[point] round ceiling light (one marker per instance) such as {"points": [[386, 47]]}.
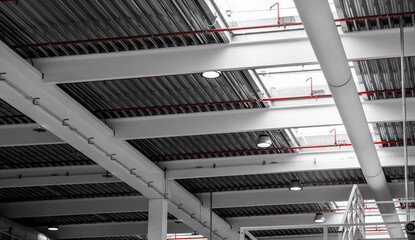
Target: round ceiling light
{"points": [[295, 185], [211, 74], [319, 218], [264, 141], [53, 227]]}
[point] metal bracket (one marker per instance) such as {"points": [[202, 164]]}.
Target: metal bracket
{"points": [[35, 101], [193, 215], [150, 184], [180, 206], [1, 74], [132, 171], [204, 224], [112, 157], [64, 122], [90, 140]]}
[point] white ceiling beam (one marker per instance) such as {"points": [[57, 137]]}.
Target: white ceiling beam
{"points": [[74, 207], [252, 120], [109, 230], [220, 122], [220, 200], [49, 106], [228, 56], [278, 163]]}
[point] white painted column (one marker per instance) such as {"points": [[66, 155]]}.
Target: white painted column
{"points": [[157, 219]]}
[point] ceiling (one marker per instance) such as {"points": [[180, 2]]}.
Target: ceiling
{"points": [[42, 29]]}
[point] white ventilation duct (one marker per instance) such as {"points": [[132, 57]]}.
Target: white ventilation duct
{"points": [[319, 25]]}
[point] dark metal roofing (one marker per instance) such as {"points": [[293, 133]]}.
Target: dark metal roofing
{"points": [[10, 115], [281, 180], [86, 219], [393, 131], [385, 74], [66, 192], [33, 156], [208, 146], [42, 21], [275, 209], [145, 96], [135, 237], [290, 232], [361, 8]]}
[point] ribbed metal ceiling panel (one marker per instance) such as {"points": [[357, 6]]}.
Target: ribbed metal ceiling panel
{"points": [[66, 192], [136, 237], [361, 8], [209, 146], [42, 21], [276, 209], [292, 232], [164, 95], [281, 180], [86, 219], [10, 115], [34, 156], [392, 131], [385, 74]]}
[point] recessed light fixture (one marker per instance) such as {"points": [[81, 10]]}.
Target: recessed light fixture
{"points": [[53, 226], [319, 218], [211, 74], [264, 141], [295, 185]]}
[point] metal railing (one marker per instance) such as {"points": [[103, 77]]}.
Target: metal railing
{"points": [[354, 217]]}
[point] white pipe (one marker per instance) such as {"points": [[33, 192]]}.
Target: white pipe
{"points": [[319, 25]]}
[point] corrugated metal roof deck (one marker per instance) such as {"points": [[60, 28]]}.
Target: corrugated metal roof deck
{"points": [[209, 146], [33, 156], [281, 180], [292, 232], [275, 209], [86, 219], [135, 237], [385, 74], [360, 8], [43, 21], [10, 115], [392, 131], [149, 96], [66, 192]]}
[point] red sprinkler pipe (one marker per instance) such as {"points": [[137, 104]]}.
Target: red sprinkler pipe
{"points": [[311, 81], [239, 101], [278, 10], [201, 31], [271, 149], [335, 136]]}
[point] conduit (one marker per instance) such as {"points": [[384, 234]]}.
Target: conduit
{"points": [[201, 31], [325, 40]]}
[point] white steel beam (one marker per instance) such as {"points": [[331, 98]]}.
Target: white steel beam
{"points": [[222, 122], [109, 230], [278, 163], [49, 106], [49, 176], [228, 56], [252, 120], [220, 200]]}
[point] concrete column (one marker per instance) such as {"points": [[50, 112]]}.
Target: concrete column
{"points": [[157, 219]]}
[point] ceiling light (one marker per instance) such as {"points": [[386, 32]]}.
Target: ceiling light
{"points": [[53, 226], [211, 74], [319, 218], [264, 141], [295, 185]]}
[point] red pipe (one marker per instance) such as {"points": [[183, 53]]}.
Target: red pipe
{"points": [[202, 31], [335, 135], [278, 10], [271, 149], [311, 81], [242, 101]]}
